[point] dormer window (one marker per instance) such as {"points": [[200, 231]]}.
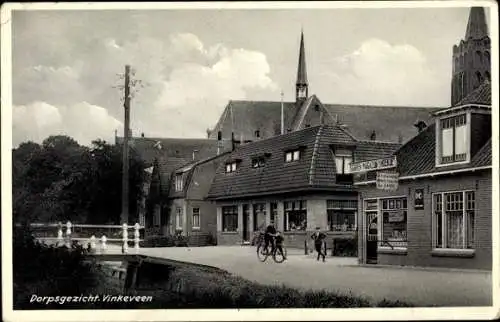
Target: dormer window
{"points": [[343, 160], [453, 136], [258, 162], [293, 155], [179, 183], [231, 167]]}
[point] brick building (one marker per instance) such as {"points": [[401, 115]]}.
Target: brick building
{"points": [[439, 212], [298, 181]]}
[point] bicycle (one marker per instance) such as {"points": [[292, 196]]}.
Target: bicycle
{"points": [[263, 252]]}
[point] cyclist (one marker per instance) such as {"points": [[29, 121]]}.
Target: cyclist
{"points": [[269, 236]]}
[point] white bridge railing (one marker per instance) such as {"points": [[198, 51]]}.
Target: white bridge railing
{"points": [[64, 235]]}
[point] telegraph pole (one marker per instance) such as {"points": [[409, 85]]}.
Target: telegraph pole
{"points": [[126, 133]]}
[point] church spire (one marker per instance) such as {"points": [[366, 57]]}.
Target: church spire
{"points": [[476, 27], [301, 84]]}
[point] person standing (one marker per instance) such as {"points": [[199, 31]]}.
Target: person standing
{"points": [[319, 239]]}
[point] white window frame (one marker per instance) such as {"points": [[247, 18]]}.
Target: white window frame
{"points": [[444, 230], [198, 214], [380, 221], [178, 218], [231, 167], [179, 182], [291, 156], [439, 143], [343, 155], [302, 207]]}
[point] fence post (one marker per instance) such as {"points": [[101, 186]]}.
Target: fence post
{"points": [[103, 244], [125, 238], [68, 234], [60, 237], [92, 243], [136, 237], [305, 246]]}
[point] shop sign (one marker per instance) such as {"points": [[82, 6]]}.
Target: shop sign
{"points": [[419, 198], [373, 165], [387, 180]]}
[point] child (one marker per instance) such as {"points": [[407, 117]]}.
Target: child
{"points": [[279, 244], [319, 238]]}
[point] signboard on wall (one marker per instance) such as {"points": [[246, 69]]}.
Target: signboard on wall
{"points": [[387, 180], [419, 198], [396, 216], [372, 165]]}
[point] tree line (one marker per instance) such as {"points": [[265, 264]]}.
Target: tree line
{"points": [[60, 180]]}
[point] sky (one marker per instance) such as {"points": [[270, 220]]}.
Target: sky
{"points": [[67, 64]]}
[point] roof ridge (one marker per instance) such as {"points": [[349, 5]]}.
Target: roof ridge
{"points": [[382, 106], [312, 168]]}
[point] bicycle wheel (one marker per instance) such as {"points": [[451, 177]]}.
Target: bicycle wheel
{"points": [[278, 256], [262, 252]]}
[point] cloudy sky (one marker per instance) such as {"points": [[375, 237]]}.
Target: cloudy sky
{"points": [[192, 62]]}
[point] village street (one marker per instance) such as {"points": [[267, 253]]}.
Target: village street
{"points": [[419, 286]]}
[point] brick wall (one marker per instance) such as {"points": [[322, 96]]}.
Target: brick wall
{"points": [[419, 222]]}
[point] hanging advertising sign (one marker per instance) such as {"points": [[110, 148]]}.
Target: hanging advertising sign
{"points": [[373, 165], [419, 198], [387, 180]]}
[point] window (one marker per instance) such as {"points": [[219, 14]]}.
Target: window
{"points": [[274, 212], [178, 182], [343, 159], [196, 217], [295, 215], [292, 156], [394, 222], [341, 215], [258, 162], [178, 218], [231, 167], [230, 218], [454, 139], [259, 216], [453, 220]]}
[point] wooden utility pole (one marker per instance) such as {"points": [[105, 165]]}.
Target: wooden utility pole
{"points": [[126, 133]]}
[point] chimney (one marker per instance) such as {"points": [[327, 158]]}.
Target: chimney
{"points": [[420, 125], [232, 141], [194, 154], [257, 134], [321, 117], [219, 142], [142, 134], [373, 136]]}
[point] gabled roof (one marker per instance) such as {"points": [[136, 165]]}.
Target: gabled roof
{"points": [[390, 123], [372, 150], [187, 171], [315, 170]]}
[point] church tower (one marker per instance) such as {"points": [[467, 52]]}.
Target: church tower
{"points": [[471, 58], [301, 86]]}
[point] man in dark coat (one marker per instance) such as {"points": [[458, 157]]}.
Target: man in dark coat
{"points": [[319, 239]]}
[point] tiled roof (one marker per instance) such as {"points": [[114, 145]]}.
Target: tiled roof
{"points": [[481, 95], [418, 156], [390, 123], [371, 150], [314, 169]]}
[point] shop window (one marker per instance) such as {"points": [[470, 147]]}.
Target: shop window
{"points": [[454, 143], [453, 220], [178, 217], [295, 216], [341, 215], [196, 217], [394, 222], [230, 218], [259, 216]]}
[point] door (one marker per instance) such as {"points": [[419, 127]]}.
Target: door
{"points": [[246, 226], [371, 238]]}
